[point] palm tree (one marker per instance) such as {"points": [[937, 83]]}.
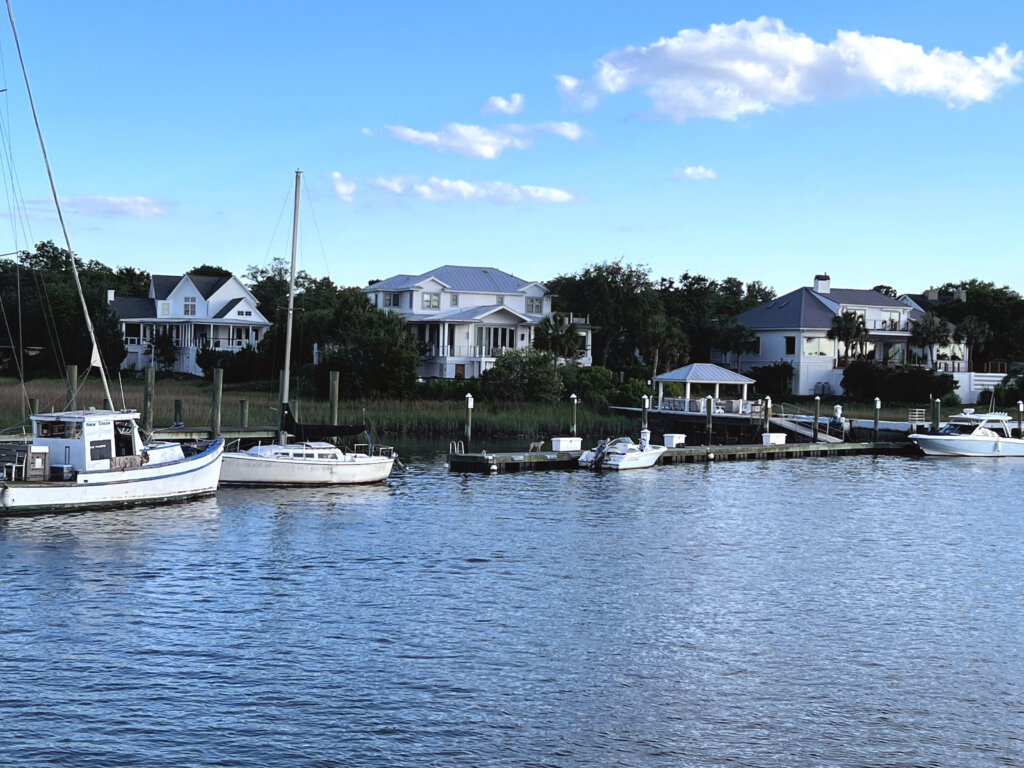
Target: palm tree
{"points": [[732, 336], [555, 334], [973, 332], [929, 332], [848, 329]]}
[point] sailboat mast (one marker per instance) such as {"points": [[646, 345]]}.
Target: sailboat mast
{"points": [[291, 304], [60, 214]]}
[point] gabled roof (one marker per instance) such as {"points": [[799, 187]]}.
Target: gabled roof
{"points": [[207, 285], [861, 297], [478, 279], [704, 373], [132, 308], [802, 308], [227, 308]]}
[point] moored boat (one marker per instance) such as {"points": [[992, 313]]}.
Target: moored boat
{"points": [[307, 463], [973, 434], [94, 458], [622, 453]]}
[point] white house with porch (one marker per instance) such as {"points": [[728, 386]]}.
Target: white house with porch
{"points": [[794, 328], [467, 317], [196, 310]]}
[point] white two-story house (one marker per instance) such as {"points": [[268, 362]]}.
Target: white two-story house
{"points": [[466, 317], [197, 310], [794, 328]]}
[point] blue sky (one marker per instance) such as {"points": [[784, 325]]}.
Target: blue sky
{"points": [[878, 142]]}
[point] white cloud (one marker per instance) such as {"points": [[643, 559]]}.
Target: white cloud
{"points": [[477, 141], [513, 105], [109, 205], [574, 93], [436, 189], [696, 172], [753, 66], [469, 140], [343, 188]]}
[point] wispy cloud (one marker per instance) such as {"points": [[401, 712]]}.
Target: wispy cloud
{"points": [[343, 188], [696, 172], [477, 141], [753, 66], [136, 207], [513, 105], [436, 189]]}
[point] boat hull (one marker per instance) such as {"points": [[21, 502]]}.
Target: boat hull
{"points": [[240, 468], [633, 459], [969, 445], [186, 478]]}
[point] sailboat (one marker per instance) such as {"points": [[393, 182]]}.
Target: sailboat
{"points": [[309, 462], [96, 458]]}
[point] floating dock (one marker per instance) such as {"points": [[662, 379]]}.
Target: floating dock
{"points": [[502, 462]]}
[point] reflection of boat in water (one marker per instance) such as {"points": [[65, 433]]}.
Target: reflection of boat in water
{"points": [[973, 434], [623, 453]]}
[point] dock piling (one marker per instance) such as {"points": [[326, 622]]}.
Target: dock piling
{"points": [[71, 382], [218, 389], [149, 384]]}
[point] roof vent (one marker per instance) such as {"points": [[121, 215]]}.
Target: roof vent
{"points": [[822, 284]]}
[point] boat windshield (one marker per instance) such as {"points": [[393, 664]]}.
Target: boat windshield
{"points": [[957, 428]]}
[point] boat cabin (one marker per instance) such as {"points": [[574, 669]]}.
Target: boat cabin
{"points": [[88, 441], [980, 424], [307, 451]]}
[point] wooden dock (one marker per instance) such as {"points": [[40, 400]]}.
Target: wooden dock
{"points": [[502, 462]]}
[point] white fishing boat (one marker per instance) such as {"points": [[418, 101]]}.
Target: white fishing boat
{"points": [[303, 463], [96, 458], [622, 453], [90, 458], [973, 434]]}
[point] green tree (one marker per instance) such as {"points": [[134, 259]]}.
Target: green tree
{"points": [[929, 332], [555, 334], [848, 328], [999, 306], [734, 337], [885, 290], [165, 350], [522, 375], [209, 270], [974, 332]]}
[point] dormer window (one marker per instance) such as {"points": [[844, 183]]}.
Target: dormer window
{"points": [[534, 305], [499, 300], [454, 300], [190, 306], [392, 299], [431, 301]]}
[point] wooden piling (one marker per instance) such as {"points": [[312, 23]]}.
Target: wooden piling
{"points": [[33, 405], [335, 380], [218, 390], [243, 413], [71, 382], [179, 407], [148, 386]]}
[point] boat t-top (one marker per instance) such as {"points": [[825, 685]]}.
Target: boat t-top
{"points": [[973, 434]]}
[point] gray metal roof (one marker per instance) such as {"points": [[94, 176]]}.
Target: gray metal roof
{"points": [[704, 373], [478, 279], [802, 308], [468, 315]]}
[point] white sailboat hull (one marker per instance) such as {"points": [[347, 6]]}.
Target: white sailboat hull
{"points": [[185, 478], [241, 468], [969, 445]]}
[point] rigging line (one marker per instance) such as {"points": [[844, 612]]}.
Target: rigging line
{"points": [[316, 226], [56, 202]]}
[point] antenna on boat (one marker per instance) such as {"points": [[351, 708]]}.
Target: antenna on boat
{"points": [[95, 359], [291, 310]]}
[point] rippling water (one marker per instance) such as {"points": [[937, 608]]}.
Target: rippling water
{"points": [[848, 612]]}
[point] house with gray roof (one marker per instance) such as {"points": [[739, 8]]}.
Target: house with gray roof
{"points": [[794, 328], [466, 317], [198, 311]]}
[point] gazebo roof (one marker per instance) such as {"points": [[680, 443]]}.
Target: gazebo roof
{"points": [[704, 373]]}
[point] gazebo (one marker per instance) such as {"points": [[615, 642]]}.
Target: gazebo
{"points": [[700, 373]]}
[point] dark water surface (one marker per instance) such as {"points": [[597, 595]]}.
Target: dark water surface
{"points": [[841, 612]]}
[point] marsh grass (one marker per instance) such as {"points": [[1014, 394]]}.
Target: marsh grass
{"points": [[384, 417]]}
